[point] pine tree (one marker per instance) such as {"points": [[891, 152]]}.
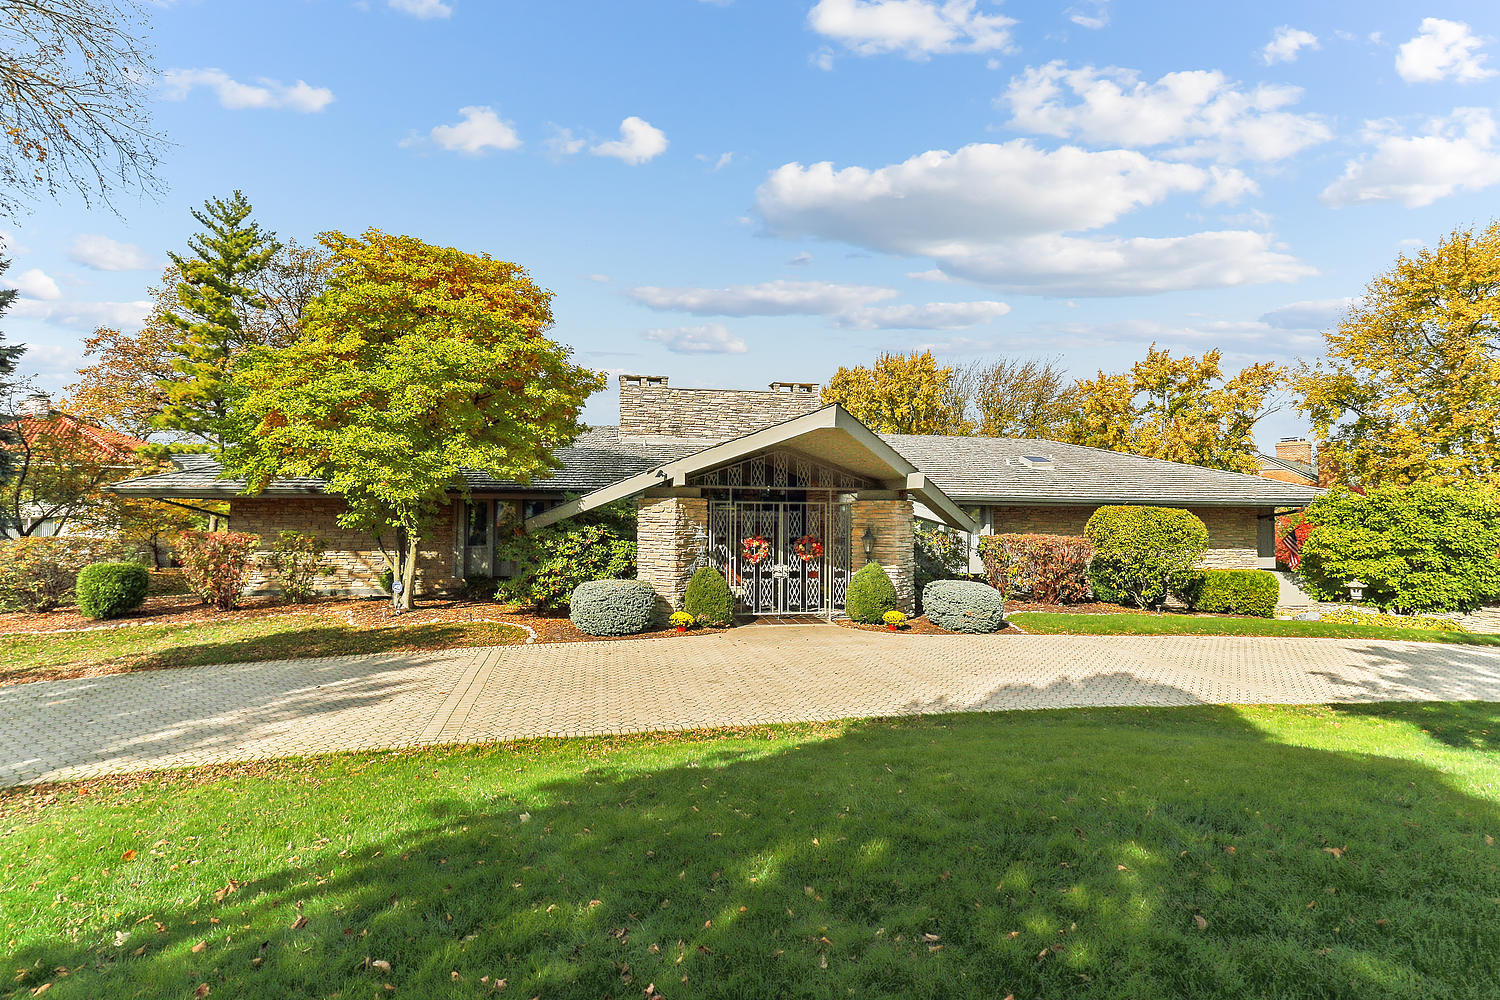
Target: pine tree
{"points": [[8, 358], [214, 299]]}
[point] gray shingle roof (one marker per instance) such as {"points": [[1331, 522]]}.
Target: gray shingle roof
{"points": [[995, 470], [596, 459], [968, 469]]}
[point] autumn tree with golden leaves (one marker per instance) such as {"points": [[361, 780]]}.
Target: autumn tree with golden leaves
{"points": [[1178, 409], [1409, 389]]}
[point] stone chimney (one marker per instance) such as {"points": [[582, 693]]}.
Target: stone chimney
{"points": [[37, 404], [1295, 449], [795, 388], [650, 408]]}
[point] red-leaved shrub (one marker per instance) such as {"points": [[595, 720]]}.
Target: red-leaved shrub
{"points": [[1291, 534], [1051, 569], [216, 564]]}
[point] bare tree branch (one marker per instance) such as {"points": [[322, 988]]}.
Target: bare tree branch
{"points": [[74, 78]]}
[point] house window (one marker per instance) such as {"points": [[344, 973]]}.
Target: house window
{"points": [[478, 533]]}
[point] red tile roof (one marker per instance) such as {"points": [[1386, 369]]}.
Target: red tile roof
{"points": [[111, 444]]}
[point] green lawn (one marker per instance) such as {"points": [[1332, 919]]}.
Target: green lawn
{"points": [[280, 637], [1197, 853], [1047, 623]]}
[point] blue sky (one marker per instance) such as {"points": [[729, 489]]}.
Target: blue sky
{"points": [[732, 192]]}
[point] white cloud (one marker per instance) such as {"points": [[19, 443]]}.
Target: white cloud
{"points": [[600, 279], [1196, 113], [34, 284], [770, 298], [1003, 215], [1313, 314], [104, 254], [1286, 44], [916, 29], [927, 316], [1455, 153], [426, 10], [1091, 14], [851, 307], [264, 93], [480, 128], [821, 59], [639, 141], [801, 260], [563, 142], [1066, 265], [711, 338], [977, 192], [931, 274], [85, 316], [1442, 50]]}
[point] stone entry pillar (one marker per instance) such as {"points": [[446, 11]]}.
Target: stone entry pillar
{"points": [[891, 521], [671, 534]]}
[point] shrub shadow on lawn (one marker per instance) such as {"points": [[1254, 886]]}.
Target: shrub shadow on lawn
{"points": [[1056, 854]]}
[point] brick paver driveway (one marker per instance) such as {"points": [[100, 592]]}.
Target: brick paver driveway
{"points": [[174, 718]]}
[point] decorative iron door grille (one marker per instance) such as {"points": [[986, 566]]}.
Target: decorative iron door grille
{"points": [[772, 576]]}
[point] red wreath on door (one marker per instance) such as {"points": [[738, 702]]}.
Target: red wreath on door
{"points": [[756, 549], [808, 548]]}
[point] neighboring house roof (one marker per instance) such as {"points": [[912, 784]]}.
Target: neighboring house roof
{"points": [[111, 445], [1004, 471], [1299, 468], [966, 469]]}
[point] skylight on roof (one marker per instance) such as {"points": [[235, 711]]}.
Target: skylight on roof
{"points": [[1039, 461]]}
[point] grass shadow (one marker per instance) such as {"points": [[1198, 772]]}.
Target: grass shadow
{"points": [[1088, 853]]}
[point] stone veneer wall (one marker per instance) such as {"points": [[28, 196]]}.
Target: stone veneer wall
{"points": [[891, 520], [1232, 537], [356, 560], [713, 414], [670, 531]]}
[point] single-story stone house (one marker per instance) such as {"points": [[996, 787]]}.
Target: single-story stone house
{"points": [[786, 496]]}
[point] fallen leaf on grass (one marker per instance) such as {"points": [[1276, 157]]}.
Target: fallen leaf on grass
{"points": [[299, 923], [1201, 921], [1337, 852], [199, 946], [201, 991]]}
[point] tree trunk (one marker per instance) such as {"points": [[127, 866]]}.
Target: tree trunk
{"points": [[409, 543]]}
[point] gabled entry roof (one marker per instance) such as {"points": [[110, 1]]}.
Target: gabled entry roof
{"points": [[831, 435]]}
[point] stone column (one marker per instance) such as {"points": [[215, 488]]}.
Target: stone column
{"points": [[671, 531], [891, 521]]}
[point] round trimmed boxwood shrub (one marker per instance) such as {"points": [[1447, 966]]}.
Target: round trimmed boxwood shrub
{"points": [[871, 594], [1140, 553], [708, 598], [1232, 592], [964, 606], [613, 607], [109, 590]]}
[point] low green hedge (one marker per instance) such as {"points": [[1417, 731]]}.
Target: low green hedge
{"points": [[613, 607], [708, 598], [1231, 592], [963, 606], [109, 590], [871, 594]]}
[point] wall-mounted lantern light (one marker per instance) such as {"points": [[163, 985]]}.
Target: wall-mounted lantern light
{"points": [[869, 539], [1356, 590]]}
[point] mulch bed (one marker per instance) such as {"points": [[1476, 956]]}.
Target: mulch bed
{"points": [[1092, 608], [916, 626], [368, 613]]}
